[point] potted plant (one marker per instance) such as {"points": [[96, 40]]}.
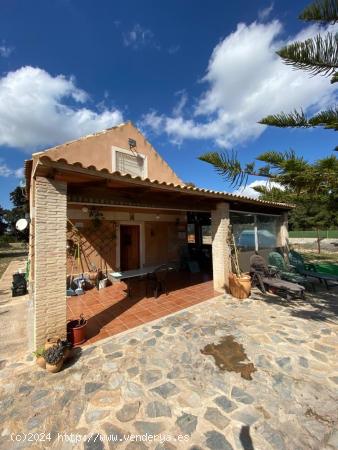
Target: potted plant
{"points": [[67, 349], [76, 331], [54, 358], [51, 342], [39, 355], [239, 282]]}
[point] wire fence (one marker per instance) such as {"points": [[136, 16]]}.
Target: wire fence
{"points": [[325, 234]]}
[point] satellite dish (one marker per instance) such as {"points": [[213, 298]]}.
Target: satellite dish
{"points": [[21, 224]]}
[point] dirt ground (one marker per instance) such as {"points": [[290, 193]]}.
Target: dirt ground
{"points": [[12, 252]]}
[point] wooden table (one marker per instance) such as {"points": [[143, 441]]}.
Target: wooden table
{"points": [[132, 274]]}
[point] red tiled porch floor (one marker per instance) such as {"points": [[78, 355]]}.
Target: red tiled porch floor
{"points": [[110, 312]]}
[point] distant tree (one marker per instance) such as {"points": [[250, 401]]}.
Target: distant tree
{"points": [[20, 207], [312, 212], [3, 224]]}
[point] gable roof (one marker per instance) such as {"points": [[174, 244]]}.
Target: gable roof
{"points": [[96, 149]]}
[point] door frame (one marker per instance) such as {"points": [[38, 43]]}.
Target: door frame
{"points": [[141, 242]]}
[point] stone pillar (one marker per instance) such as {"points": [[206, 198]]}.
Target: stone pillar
{"points": [[220, 248], [50, 260]]}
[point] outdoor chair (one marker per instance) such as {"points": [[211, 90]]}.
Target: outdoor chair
{"points": [[157, 280], [268, 278], [310, 270], [286, 271]]}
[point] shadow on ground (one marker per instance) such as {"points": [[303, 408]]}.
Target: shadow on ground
{"points": [[321, 305]]}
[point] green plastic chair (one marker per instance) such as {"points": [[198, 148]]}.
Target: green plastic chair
{"points": [[310, 270], [287, 272]]}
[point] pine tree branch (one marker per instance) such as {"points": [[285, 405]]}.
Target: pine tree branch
{"points": [[321, 10], [228, 166], [334, 78], [326, 119], [285, 120], [318, 55]]}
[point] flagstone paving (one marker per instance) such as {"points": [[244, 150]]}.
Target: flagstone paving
{"points": [[155, 380]]}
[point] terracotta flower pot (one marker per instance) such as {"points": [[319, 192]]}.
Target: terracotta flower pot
{"points": [[40, 361], [240, 287], [76, 333], [54, 368], [50, 342]]}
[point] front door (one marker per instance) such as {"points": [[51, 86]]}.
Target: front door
{"points": [[130, 247]]}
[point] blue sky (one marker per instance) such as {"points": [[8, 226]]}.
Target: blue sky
{"points": [[194, 76]]}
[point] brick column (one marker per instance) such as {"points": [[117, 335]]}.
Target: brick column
{"points": [[50, 259], [282, 232], [220, 247]]}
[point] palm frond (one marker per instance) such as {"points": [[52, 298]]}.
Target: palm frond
{"points": [[318, 55], [284, 120], [321, 10]]}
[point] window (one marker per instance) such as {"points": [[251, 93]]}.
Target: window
{"points": [[254, 231], [128, 162], [206, 235], [266, 231], [191, 233], [243, 229]]}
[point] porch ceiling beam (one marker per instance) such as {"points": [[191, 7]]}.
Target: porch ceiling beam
{"points": [[104, 174]]}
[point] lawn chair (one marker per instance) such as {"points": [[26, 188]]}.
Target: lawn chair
{"points": [[157, 280], [268, 278], [288, 272], [309, 270]]}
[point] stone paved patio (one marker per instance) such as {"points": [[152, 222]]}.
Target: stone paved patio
{"points": [[154, 379]]}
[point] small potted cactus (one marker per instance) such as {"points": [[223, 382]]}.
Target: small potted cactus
{"points": [[39, 355], [54, 358]]}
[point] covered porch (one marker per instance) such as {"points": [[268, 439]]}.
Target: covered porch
{"points": [[68, 197], [110, 311]]}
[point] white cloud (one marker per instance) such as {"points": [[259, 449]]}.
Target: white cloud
{"points": [[5, 50], [37, 109], [139, 37], [5, 171], [246, 81], [183, 99], [248, 190], [173, 49], [264, 13]]}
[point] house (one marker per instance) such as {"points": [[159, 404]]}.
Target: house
{"points": [[110, 201]]}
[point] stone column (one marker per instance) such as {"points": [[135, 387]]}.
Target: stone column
{"points": [[220, 248], [50, 260]]}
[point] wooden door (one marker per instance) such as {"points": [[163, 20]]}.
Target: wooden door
{"points": [[130, 247]]}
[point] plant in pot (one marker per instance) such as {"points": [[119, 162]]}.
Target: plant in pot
{"points": [[67, 348], [239, 282], [54, 358], [51, 342], [39, 355], [76, 331]]}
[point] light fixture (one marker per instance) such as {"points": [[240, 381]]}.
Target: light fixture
{"points": [[85, 209]]}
